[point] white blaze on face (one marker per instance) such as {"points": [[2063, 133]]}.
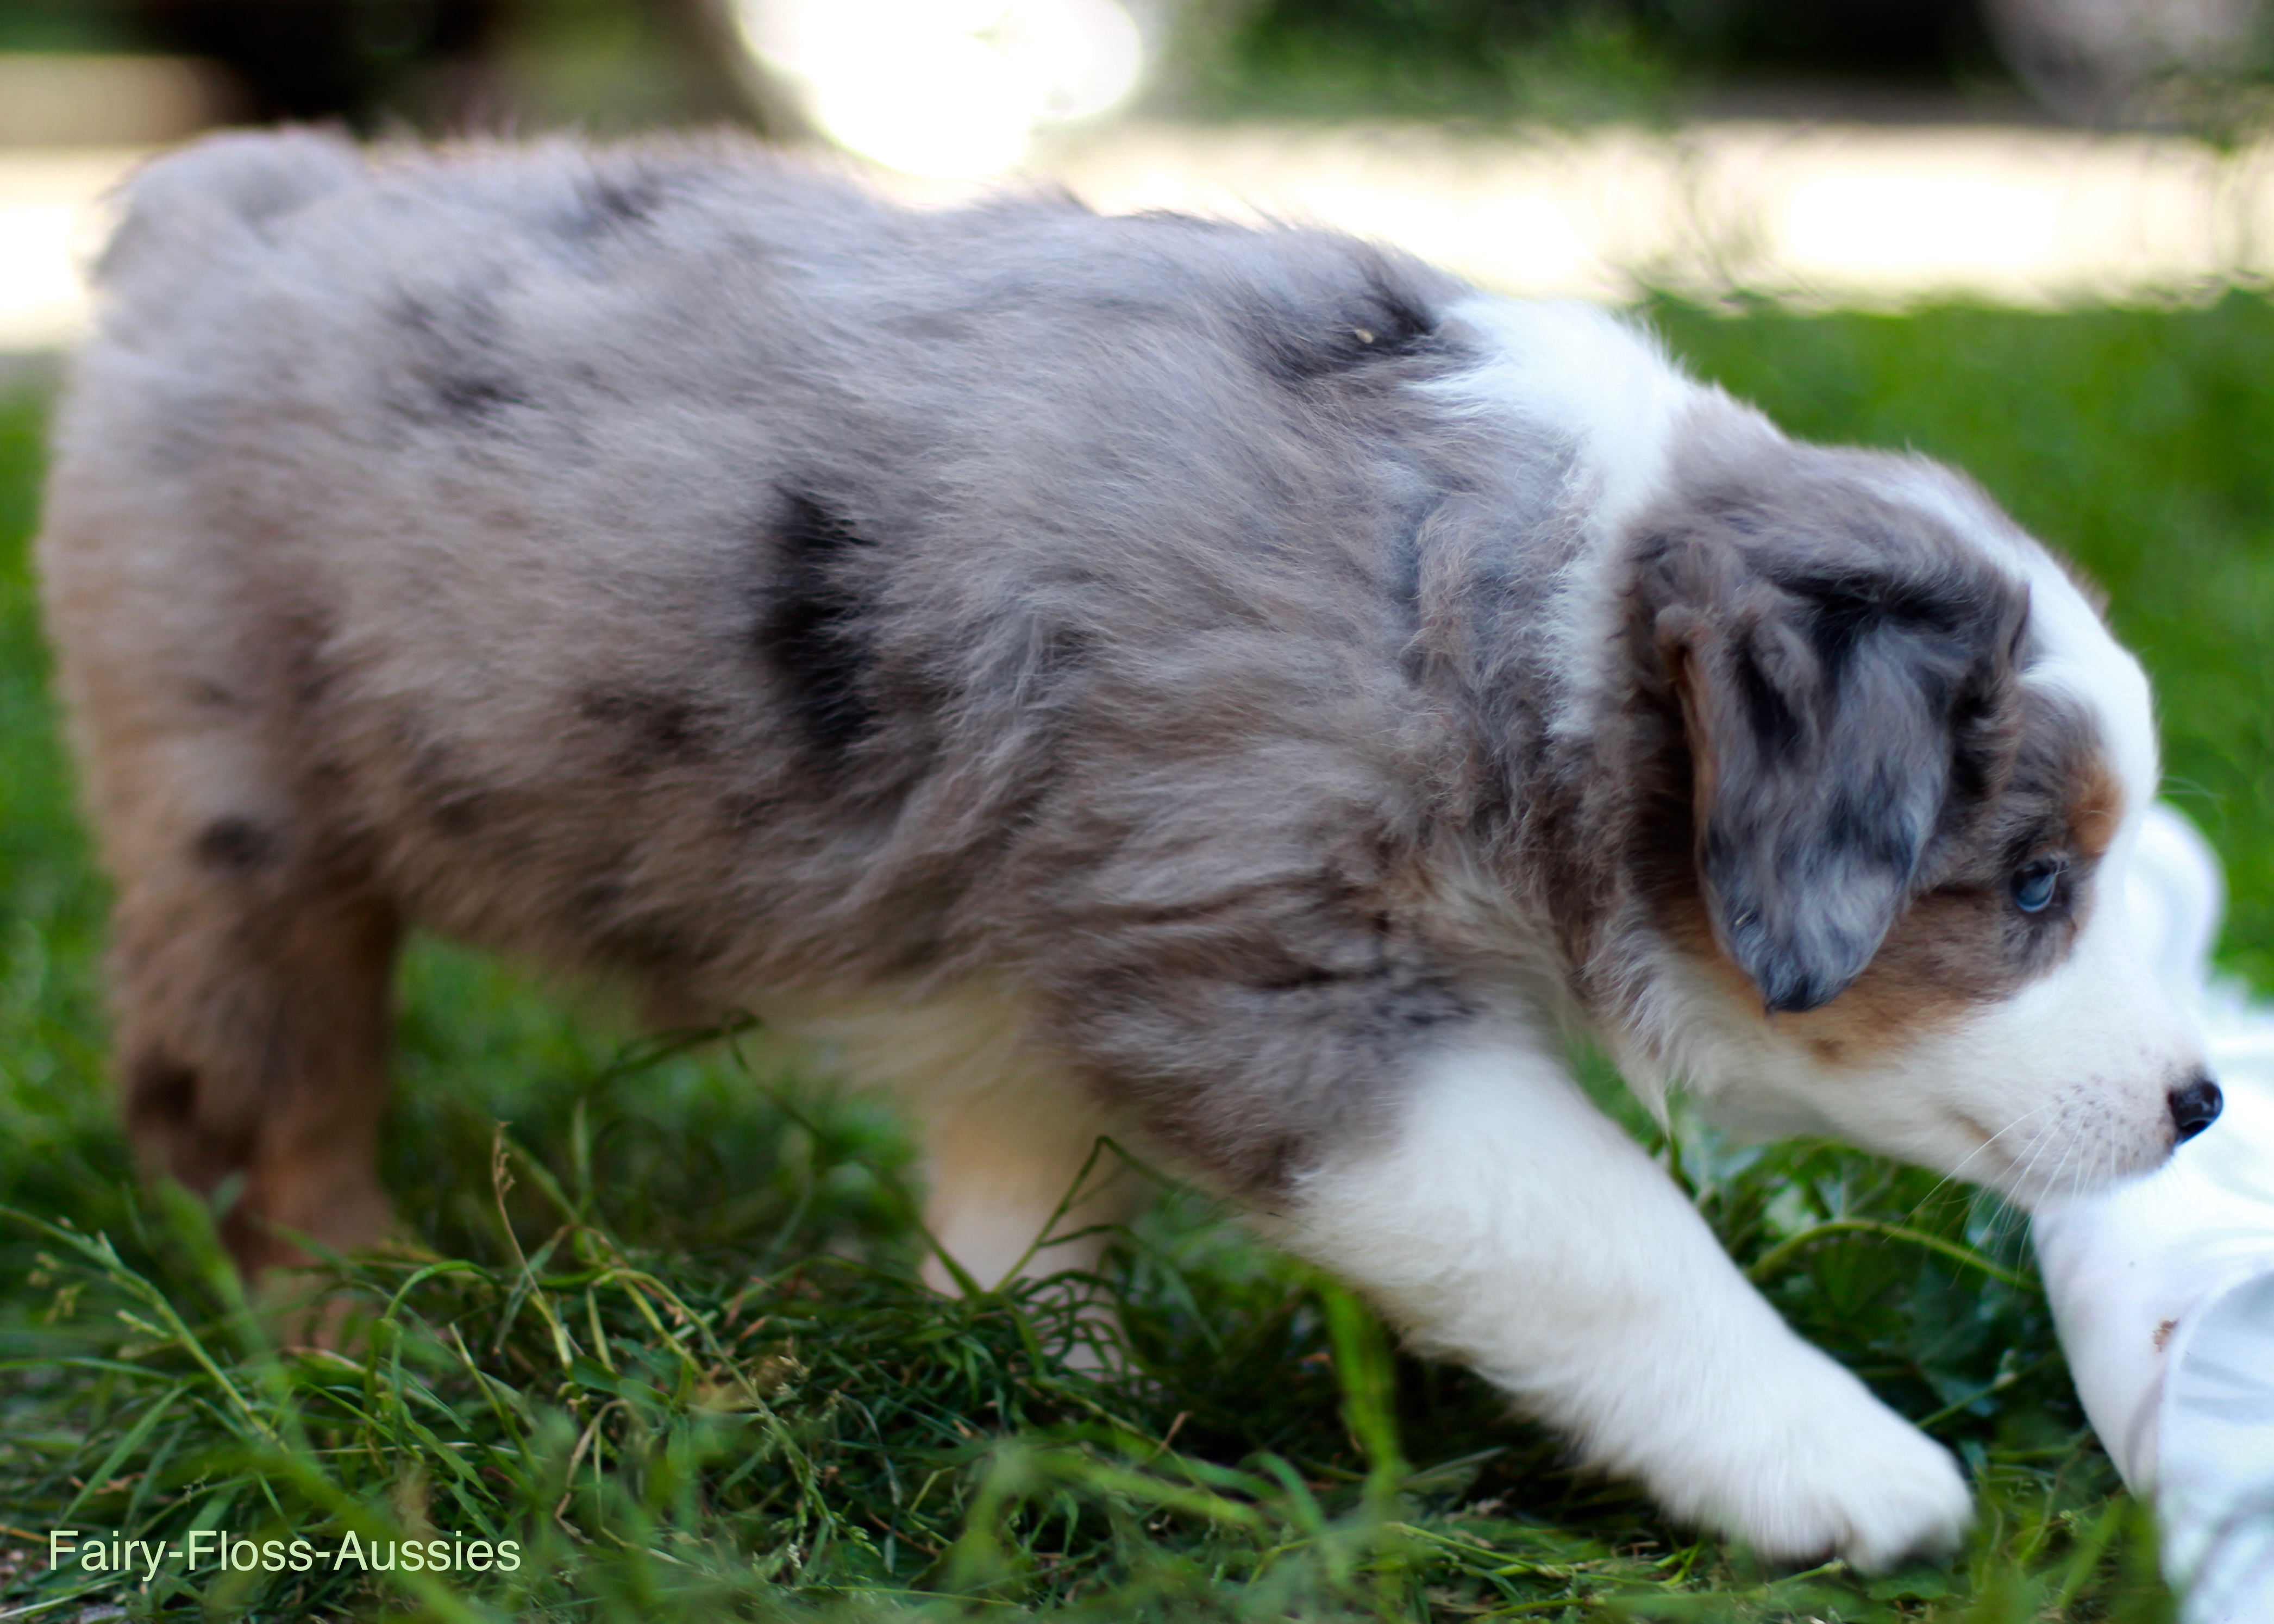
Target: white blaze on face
{"points": [[2078, 1067], [2065, 1084], [2062, 1083]]}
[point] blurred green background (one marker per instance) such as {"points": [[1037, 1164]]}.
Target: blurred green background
{"points": [[436, 63]]}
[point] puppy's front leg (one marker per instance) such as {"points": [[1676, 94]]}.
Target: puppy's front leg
{"points": [[1502, 1220]]}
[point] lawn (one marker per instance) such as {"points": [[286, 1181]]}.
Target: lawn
{"points": [[660, 1329]]}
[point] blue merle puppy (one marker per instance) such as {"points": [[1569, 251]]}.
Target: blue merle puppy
{"points": [[1238, 689]]}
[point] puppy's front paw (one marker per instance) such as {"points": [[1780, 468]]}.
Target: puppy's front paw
{"points": [[1853, 1480]]}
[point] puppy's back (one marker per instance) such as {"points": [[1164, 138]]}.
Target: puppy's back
{"points": [[616, 549]]}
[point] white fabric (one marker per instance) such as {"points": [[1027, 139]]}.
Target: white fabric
{"points": [[2162, 1289]]}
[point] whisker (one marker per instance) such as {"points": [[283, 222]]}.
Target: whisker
{"points": [[1959, 1172]]}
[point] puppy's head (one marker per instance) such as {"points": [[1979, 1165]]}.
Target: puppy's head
{"points": [[1911, 764]]}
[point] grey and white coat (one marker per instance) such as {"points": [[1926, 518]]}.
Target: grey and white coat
{"points": [[1242, 690]]}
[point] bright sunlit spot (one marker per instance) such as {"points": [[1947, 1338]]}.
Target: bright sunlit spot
{"points": [[946, 88]]}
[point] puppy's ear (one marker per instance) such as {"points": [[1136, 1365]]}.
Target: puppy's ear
{"points": [[1843, 705]]}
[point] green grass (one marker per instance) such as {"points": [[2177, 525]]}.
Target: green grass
{"points": [[661, 1327]]}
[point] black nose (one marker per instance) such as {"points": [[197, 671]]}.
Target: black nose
{"points": [[2195, 1107]]}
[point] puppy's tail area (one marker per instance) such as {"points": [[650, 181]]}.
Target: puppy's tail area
{"points": [[209, 201]]}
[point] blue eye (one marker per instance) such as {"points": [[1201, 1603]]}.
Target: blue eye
{"points": [[2034, 885]]}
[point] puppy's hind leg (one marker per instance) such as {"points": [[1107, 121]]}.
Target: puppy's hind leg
{"points": [[1504, 1220], [251, 950], [250, 994]]}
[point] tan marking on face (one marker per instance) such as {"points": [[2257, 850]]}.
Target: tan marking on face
{"points": [[1963, 944], [1946, 955], [2096, 810]]}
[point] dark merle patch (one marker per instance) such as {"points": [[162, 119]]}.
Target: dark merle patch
{"points": [[161, 1111], [451, 346], [1301, 978], [1777, 729], [1065, 653], [1383, 324], [614, 203], [746, 813], [810, 633], [460, 811], [470, 398], [604, 914], [1842, 610], [654, 729], [1415, 1003], [1401, 575], [1329, 1038], [647, 944], [446, 322], [434, 775], [160, 1091], [237, 845]]}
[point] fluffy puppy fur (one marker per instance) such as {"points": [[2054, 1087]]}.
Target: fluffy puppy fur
{"points": [[1241, 689]]}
